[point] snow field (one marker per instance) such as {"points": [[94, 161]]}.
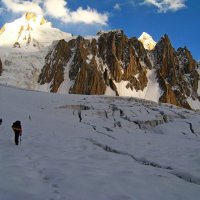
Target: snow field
{"points": [[120, 148]]}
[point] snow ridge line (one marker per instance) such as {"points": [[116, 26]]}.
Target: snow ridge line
{"points": [[95, 129], [191, 128], [182, 175], [186, 177], [139, 160]]}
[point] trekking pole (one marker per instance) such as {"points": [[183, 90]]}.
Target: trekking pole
{"points": [[20, 139]]}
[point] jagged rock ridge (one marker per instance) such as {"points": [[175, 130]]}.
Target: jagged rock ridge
{"points": [[113, 58], [97, 64], [177, 73]]}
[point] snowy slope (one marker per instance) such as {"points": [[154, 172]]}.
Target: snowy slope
{"points": [[22, 69], [90, 147], [151, 92]]}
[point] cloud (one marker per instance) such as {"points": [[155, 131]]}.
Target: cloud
{"points": [[19, 6], [88, 16], [166, 5], [117, 6], [57, 9]]}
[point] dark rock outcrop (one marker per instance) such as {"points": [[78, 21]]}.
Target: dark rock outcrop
{"points": [[16, 45]]}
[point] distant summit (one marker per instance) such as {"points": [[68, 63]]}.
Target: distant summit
{"points": [[29, 16], [147, 41], [31, 30]]}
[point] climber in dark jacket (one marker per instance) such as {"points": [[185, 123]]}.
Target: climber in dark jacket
{"points": [[17, 128]]}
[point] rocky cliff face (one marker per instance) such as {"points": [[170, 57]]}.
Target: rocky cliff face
{"points": [[53, 71], [177, 73], [95, 64], [122, 61], [85, 71], [73, 56], [188, 67]]}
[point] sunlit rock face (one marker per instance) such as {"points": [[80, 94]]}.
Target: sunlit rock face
{"points": [[177, 73], [97, 63]]}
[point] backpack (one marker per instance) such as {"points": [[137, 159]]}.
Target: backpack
{"points": [[17, 127]]}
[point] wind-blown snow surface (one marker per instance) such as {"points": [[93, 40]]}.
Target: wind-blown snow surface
{"points": [[102, 148]]}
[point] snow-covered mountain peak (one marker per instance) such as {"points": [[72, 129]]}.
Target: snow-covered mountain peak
{"points": [[147, 41], [35, 19], [118, 31], [31, 31]]}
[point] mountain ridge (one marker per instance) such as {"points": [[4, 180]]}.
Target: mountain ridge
{"points": [[109, 63]]}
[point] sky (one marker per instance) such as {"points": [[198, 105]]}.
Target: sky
{"points": [[179, 19]]}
